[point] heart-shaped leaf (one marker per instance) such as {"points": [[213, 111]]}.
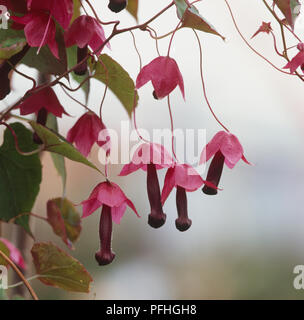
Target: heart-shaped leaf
{"points": [[64, 219], [20, 176], [120, 83], [60, 270]]}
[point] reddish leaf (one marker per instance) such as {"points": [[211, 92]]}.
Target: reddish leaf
{"points": [[290, 9], [60, 270], [64, 220]]}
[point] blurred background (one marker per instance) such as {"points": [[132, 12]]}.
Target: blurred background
{"points": [[245, 242]]}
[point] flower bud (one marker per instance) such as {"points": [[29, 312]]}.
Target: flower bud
{"points": [[117, 5], [214, 173], [81, 54], [105, 255], [157, 218], [182, 223], [155, 95]]}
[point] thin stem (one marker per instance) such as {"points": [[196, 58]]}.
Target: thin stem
{"points": [[173, 34], [96, 15], [22, 74], [248, 44], [77, 88], [275, 45], [41, 148], [38, 217], [19, 273], [134, 120], [279, 20], [149, 29], [172, 127], [106, 87], [161, 37], [137, 51], [203, 82], [18, 284], [77, 101]]}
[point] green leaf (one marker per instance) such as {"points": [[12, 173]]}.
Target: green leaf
{"points": [[118, 80], [6, 251], [290, 9], [191, 18], [53, 143], [45, 62], [20, 176], [64, 219], [59, 269], [132, 7], [72, 61], [11, 42], [58, 159]]}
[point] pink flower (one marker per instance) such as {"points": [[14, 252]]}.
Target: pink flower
{"points": [[85, 31], [87, 130], [151, 157], [184, 178], [114, 202], [44, 99], [15, 254], [40, 30], [226, 148], [61, 10], [164, 74], [296, 61], [117, 5]]}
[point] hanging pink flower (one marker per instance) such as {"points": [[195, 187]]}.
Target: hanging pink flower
{"points": [[61, 10], [296, 61], [114, 203], [85, 31], [87, 130], [151, 157], [44, 99], [164, 74], [185, 179], [226, 148], [15, 254], [40, 30]]}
